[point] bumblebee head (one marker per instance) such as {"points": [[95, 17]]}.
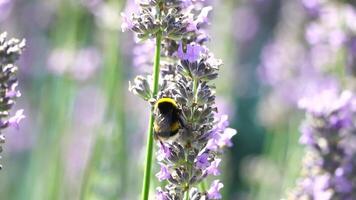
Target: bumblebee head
{"points": [[165, 105]]}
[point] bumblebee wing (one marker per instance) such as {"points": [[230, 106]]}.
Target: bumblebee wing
{"points": [[181, 119], [163, 122]]}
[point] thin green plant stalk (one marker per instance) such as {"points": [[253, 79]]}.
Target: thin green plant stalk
{"points": [[186, 195], [149, 148]]}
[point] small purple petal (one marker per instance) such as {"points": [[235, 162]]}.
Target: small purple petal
{"points": [[307, 135], [321, 183], [163, 152], [15, 120], [163, 174], [160, 195], [213, 192], [342, 185], [192, 54], [202, 161], [213, 169], [221, 136], [226, 136], [12, 92], [203, 16]]}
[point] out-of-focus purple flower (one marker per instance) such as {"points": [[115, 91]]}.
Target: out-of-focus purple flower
{"points": [[351, 55], [87, 61], [326, 102], [15, 120], [202, 161], [213, 192], [80, 64], [312, 6], [192, 53], [225, 107], [327, 132], [342, 184], [163, 174], [143, 55], [307, 135], [314, 33], [321, 184], [246, 28], [213, 169], [60, 60], [5, 8]]}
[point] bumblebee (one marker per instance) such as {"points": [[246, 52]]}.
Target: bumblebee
{"points": [[168, 119]]}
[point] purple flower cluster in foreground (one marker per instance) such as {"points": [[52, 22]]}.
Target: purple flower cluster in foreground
{"points": [[187, 69], [204, 162], [329, 133]]}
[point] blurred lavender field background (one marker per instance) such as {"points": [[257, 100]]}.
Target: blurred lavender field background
{"points": [[84, 133]]}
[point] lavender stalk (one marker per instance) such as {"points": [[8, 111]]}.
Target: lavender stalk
{"points": [[187, 71], [328, 132], [10, 51]]}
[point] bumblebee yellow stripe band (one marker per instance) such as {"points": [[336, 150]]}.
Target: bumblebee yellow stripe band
{"points": [[166, 99]]}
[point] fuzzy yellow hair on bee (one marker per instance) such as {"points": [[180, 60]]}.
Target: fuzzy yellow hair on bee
{"points": [[168, 119]]}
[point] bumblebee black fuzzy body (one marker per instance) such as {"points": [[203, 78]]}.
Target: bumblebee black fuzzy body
{"points": [[168, 119]]}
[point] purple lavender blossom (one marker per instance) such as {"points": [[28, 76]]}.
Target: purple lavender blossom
{"points": [[81, 64], [221, 135], [15, 120], [163, 174], [312, 6], [10, 51], [192, 154], [351, 55], [248, 24], [160, 196], [202, 161], [213, 192], [329, 163], [213, 169], [5, 8], [163, 152], [191, 54]]}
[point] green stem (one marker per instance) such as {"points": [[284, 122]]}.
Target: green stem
{"points": [[195, 89], [149, 148], [186, 195]]}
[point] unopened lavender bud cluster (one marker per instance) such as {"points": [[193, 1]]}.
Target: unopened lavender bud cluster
{"points": [[329, 133], [10, 51], [187, 72]]}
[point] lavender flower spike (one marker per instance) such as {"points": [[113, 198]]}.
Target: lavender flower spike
{"points": [[329, 135], [186, 77], [10, 51]]}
